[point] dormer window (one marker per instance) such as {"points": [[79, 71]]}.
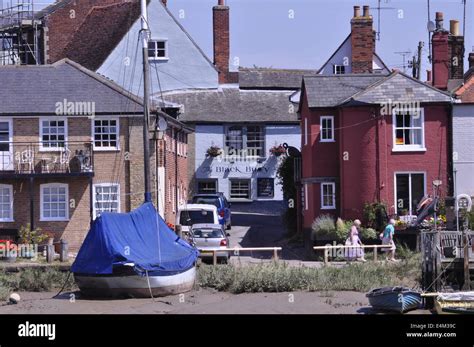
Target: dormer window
{"points": [[339, 69], [157, 50]]}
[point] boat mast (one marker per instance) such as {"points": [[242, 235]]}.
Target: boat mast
{"points": [[145, 34]]}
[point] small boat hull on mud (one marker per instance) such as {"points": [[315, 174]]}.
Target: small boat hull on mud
{"points": [[394, 299], [455, 303], [130, 285]]}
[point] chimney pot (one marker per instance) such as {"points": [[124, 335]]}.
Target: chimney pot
{"points": [[471, 60], [366, 11], [221, 3], [356, 11], [439, 20], [454, 27]]}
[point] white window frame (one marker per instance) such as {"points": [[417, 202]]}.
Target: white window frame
{"points": [[408, 148], [94, 195], [410, 173], [328, 207], [249, 189], [10, 188], [54, 219], [109, 148], [9, 163], [49, 119], [156, 58], [323, 118], [334, 69]]}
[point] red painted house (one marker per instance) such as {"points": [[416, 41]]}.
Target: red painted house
{"points": [[368, 138]]}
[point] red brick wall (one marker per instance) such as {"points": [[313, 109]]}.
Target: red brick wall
{"points": [[221, 42], [363, 44], [368, 174], [441, 61]]}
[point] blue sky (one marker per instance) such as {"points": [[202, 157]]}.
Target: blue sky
{"points": [[262, 33]]}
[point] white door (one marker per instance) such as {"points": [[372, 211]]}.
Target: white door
{"points": [[6, 147]]}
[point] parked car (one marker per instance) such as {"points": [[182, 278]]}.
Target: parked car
{"points": [[191, 214], [220, 201], [211, 236]]}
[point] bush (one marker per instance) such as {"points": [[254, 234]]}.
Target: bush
{"points": [[368, 234], [375, 214], [342, 229], [323, 227]]}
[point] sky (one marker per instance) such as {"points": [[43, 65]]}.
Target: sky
{"points": [[304, 33]]}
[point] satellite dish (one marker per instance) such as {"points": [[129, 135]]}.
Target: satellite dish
{"points": [[431, 26], [162, 124]]}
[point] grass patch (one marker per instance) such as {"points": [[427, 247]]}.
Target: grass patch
{"points": [[279, 277], [34, 280]]}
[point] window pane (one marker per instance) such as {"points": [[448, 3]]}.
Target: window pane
{"points": [[403, 194]]}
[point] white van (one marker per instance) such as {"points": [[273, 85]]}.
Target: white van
{"points": [[191, 214]]}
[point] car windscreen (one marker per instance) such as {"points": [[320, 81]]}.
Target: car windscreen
{"points": [[206, 200], [189, 218], [208, 233]]}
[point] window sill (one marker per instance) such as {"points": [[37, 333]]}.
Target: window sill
{"points": [[240, 200], [106, 149], [328, 208], [410, 149], [159, 59], [327, 141], [7, 220], [49, 150], [53, 220]]}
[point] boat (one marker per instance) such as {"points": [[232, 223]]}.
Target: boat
{"points": [[394, 299], [454, 303], [135, 254]]}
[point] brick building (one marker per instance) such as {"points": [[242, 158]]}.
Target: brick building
{"points": [[71, 147]]}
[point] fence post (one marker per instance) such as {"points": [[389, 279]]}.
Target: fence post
{"points": [[375, 252], [214, 257], [326, 256], [275, 254]]}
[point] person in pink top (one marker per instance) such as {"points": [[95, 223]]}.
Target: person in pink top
{"points": [[355, 253]]}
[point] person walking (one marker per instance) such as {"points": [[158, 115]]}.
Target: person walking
{"points": [[355, 253], [387, 239]]}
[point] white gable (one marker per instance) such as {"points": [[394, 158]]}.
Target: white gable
{"points": [[186, 68], [343, 57]]}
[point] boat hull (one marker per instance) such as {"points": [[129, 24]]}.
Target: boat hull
{"points": [[455, 303], [394, 299], [135, 286]]}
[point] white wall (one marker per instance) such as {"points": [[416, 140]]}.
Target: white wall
{"points": [[223, 170], [463, 147]]}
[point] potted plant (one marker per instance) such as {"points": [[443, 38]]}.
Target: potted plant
{"points": [[32, 237], [213, 151], [277, 150]]}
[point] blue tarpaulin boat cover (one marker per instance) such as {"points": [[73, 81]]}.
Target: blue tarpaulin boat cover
{"points": [[140, 237]]}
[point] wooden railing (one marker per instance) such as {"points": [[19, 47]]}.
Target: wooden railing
{"points": [[237, 251]]}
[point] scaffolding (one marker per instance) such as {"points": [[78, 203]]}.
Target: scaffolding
{"points": [[19, 33]]}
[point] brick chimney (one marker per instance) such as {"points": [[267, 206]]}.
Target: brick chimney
{"points": [[456, 51], [440, 55], [362, 41], [471, 60], [221, 40]]}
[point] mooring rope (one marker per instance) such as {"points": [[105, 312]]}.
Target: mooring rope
{"points": [[64, 285]]}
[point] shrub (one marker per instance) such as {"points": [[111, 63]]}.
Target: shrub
{"points": [[368, 234], [375, 214], [280, 277], [342, 229], [323, 227]]}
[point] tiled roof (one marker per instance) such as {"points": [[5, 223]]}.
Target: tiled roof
{"points": [[332, 90], [339, 90], [230, 105], [284, 79], [35, 90]]}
